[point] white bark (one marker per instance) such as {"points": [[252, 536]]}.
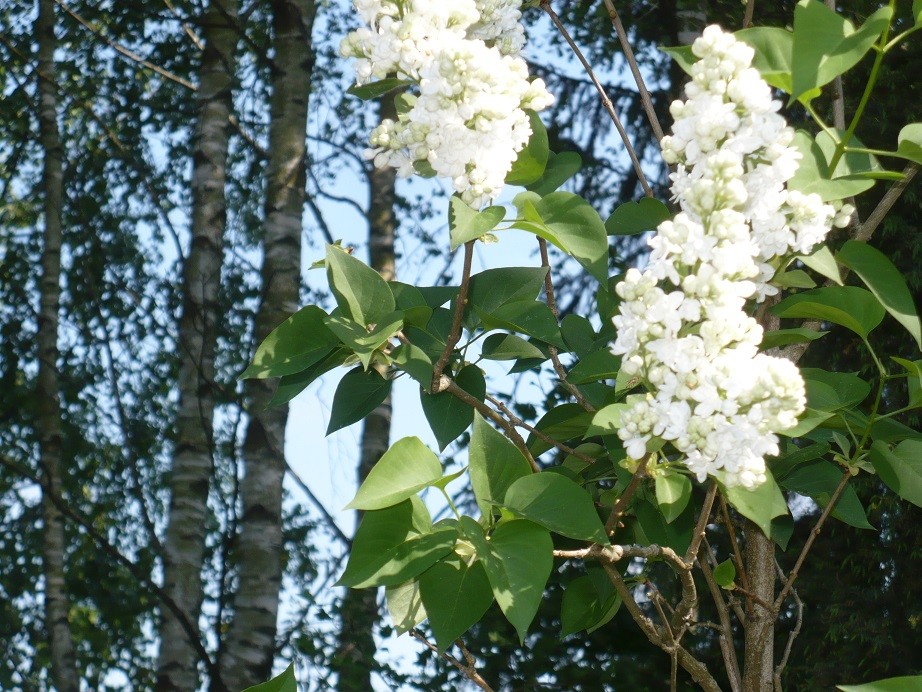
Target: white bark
{"points": [[250, 644], [184, 543], [48, 402]]}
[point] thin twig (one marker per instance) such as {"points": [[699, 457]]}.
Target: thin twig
{"points": [[657, 636], [792, 577], [331, 522], [455, 334], [701, 525], [618, 510], [468, 670], [731, 531], [166, 74], [727, 650], [731, 599], [606, 102], [555, 356], [645, 97], [747, 16], [544, 437], [452, 387], [779, 669]]}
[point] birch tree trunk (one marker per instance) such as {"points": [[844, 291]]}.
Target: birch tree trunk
{"points": [[250, 645], [48, 403], [355, 653], [184, 543]]}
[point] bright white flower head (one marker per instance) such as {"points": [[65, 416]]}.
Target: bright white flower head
{"points": [[682, 325], [468, 122]]}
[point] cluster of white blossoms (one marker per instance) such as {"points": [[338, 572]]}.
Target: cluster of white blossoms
{"points": [[682, 326], [468, 121]]}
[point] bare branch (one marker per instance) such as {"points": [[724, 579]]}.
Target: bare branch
{"points": [[468, 669], [645, 98], [166, 74], [618, 510], [555, 356], [606, 102], [779, 669], [544, 437], [455, 334], [792, 577], [727, 649]]}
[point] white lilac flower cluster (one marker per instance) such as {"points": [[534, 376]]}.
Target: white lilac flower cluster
{"points": [[468, 121], [682, 326]]}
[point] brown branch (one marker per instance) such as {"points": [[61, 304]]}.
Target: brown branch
{"points": [[864, 231], [658, 637], [544, 437], [455, 334], [727, 650], [555, 356], [645, 98], [618, 510], [731, 531], [606, 101], [779, 669], [452, 387], [747, 16], [468, 669], [701, 525], [792, 577]]}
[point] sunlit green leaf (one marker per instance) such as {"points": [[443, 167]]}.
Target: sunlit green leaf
{"points": [[760, 505], [404, 469], [360, 291], [849, 306], [495, 464], [518, 559], [285, 682], [826, 44], [467, 224], [296, 344]]}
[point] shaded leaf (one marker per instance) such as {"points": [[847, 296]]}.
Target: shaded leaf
{"points": [[447, 415], [900, 468], [885, 281], [558, 504], [358, 394], [630, 218], [405, 606], [285, 682], [849, 306]]}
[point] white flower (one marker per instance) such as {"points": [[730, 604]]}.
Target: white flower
{"points": [[468, 122], [682, 325]]}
